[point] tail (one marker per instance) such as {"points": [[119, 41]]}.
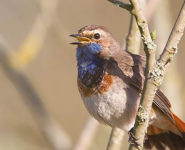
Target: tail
{"points": [[180, 125], [159, 139]]}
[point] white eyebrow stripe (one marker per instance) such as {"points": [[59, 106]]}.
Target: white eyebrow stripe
{"points": [[93, 32]]}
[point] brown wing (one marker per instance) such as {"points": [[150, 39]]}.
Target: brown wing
{"points": [[162, 102], [133, 67]]}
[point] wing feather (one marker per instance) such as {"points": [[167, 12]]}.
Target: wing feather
{"points": [[135, 77]]}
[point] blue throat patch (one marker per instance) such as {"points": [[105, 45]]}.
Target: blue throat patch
{"points": [[87, 59]]}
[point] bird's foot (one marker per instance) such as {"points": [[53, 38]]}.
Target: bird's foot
{"points": [[132, 139]]}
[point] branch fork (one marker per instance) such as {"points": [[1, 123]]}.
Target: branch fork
{"points": [[155, 70]]}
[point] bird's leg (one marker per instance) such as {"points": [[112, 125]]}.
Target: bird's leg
{"points": [[132, 139]]}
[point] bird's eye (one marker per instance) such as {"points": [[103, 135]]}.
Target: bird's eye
{"points": [[97, 36]]}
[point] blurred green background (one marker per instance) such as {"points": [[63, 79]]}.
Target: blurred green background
{"points": [[53, 71]]}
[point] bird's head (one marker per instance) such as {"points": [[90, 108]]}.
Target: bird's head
{"points": [[96, 40]]}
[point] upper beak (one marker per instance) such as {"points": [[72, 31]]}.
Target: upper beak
{"points": [[81, 39]]}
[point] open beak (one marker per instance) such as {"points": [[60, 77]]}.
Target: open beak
{"points": [[81, 39]]}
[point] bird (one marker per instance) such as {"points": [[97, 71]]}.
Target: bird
{"points": [[110, 81]]}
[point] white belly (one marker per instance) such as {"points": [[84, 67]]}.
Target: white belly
{"points": [[116, 107]]}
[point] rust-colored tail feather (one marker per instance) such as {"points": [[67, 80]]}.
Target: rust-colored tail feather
{"points": [[164, 141], [159, 139], [180, 124]]}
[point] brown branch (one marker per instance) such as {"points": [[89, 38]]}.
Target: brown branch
{"points": [[56, 137]]}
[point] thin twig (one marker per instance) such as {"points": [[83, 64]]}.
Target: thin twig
{"points": [[121, 4], [148, 10], [174, 39], [155, 78], [116, 139], [54, 134], [133, 40], [148, 90], [87, 135], [173, 79]]}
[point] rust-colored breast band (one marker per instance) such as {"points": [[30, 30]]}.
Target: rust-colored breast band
{"points": [[106, 83]]}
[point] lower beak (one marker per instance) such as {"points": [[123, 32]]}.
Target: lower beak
{"points": [[81, 39]]}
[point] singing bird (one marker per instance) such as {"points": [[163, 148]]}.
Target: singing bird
{"points": [[110, 81]]}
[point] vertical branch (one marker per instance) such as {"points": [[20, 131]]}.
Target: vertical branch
{"points": [[148, 94], [116, 139], [155, 77], [133, 43], [134, 36]]}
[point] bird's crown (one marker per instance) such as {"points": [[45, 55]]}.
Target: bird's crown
{"points": [[91, 33]]}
